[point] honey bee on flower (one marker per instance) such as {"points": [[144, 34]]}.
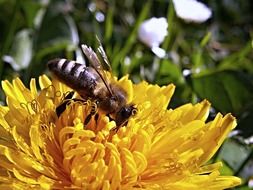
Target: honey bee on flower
{"points": [[91, 83]]}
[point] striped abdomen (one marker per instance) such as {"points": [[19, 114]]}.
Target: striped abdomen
{"points": [[77, 76]]}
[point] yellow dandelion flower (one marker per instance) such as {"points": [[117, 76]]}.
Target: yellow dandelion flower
{"points": [[158, 149]]}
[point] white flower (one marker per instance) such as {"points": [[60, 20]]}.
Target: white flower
{"points": [[192, 10], [159, 52], [250, 183], [152, 33]]}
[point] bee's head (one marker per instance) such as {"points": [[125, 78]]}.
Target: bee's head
{"points": [[124, 114]]}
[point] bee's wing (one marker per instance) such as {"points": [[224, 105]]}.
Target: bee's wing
{"points": [[92, 56], [96, 64], [106, 64]]}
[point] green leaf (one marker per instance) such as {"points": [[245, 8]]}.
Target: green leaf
{"points": [[226, 170], [239, 59], [206, 39], [21, 51], [169, 72], [228, 91], [234, 154]]}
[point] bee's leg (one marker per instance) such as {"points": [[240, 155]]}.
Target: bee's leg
{"points": [[119, 126], [114, 130], [93, 112], [66, 100], [96, 117], [87, 120], [110, 118], [62, 107]]}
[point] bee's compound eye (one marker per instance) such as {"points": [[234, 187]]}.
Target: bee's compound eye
{"points": [[124, 112]]}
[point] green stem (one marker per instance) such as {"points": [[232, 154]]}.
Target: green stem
{"points": [[167, 41], [170, 18], [132, 38], [109, 24]]}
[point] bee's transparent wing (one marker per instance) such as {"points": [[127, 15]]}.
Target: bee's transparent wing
{"points": [[96, 64], [106, 64], [92, 56]]}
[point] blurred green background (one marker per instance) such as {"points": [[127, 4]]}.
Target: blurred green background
{"points": [[212, 60]]}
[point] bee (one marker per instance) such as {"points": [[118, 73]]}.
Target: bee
{"points": [[92, 83]]}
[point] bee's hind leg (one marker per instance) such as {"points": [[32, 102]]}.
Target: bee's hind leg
{"points": [[66, 101], [68, 98], [93, 112]]}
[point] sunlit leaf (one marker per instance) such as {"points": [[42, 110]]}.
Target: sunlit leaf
{"points": [[226, 170]]}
